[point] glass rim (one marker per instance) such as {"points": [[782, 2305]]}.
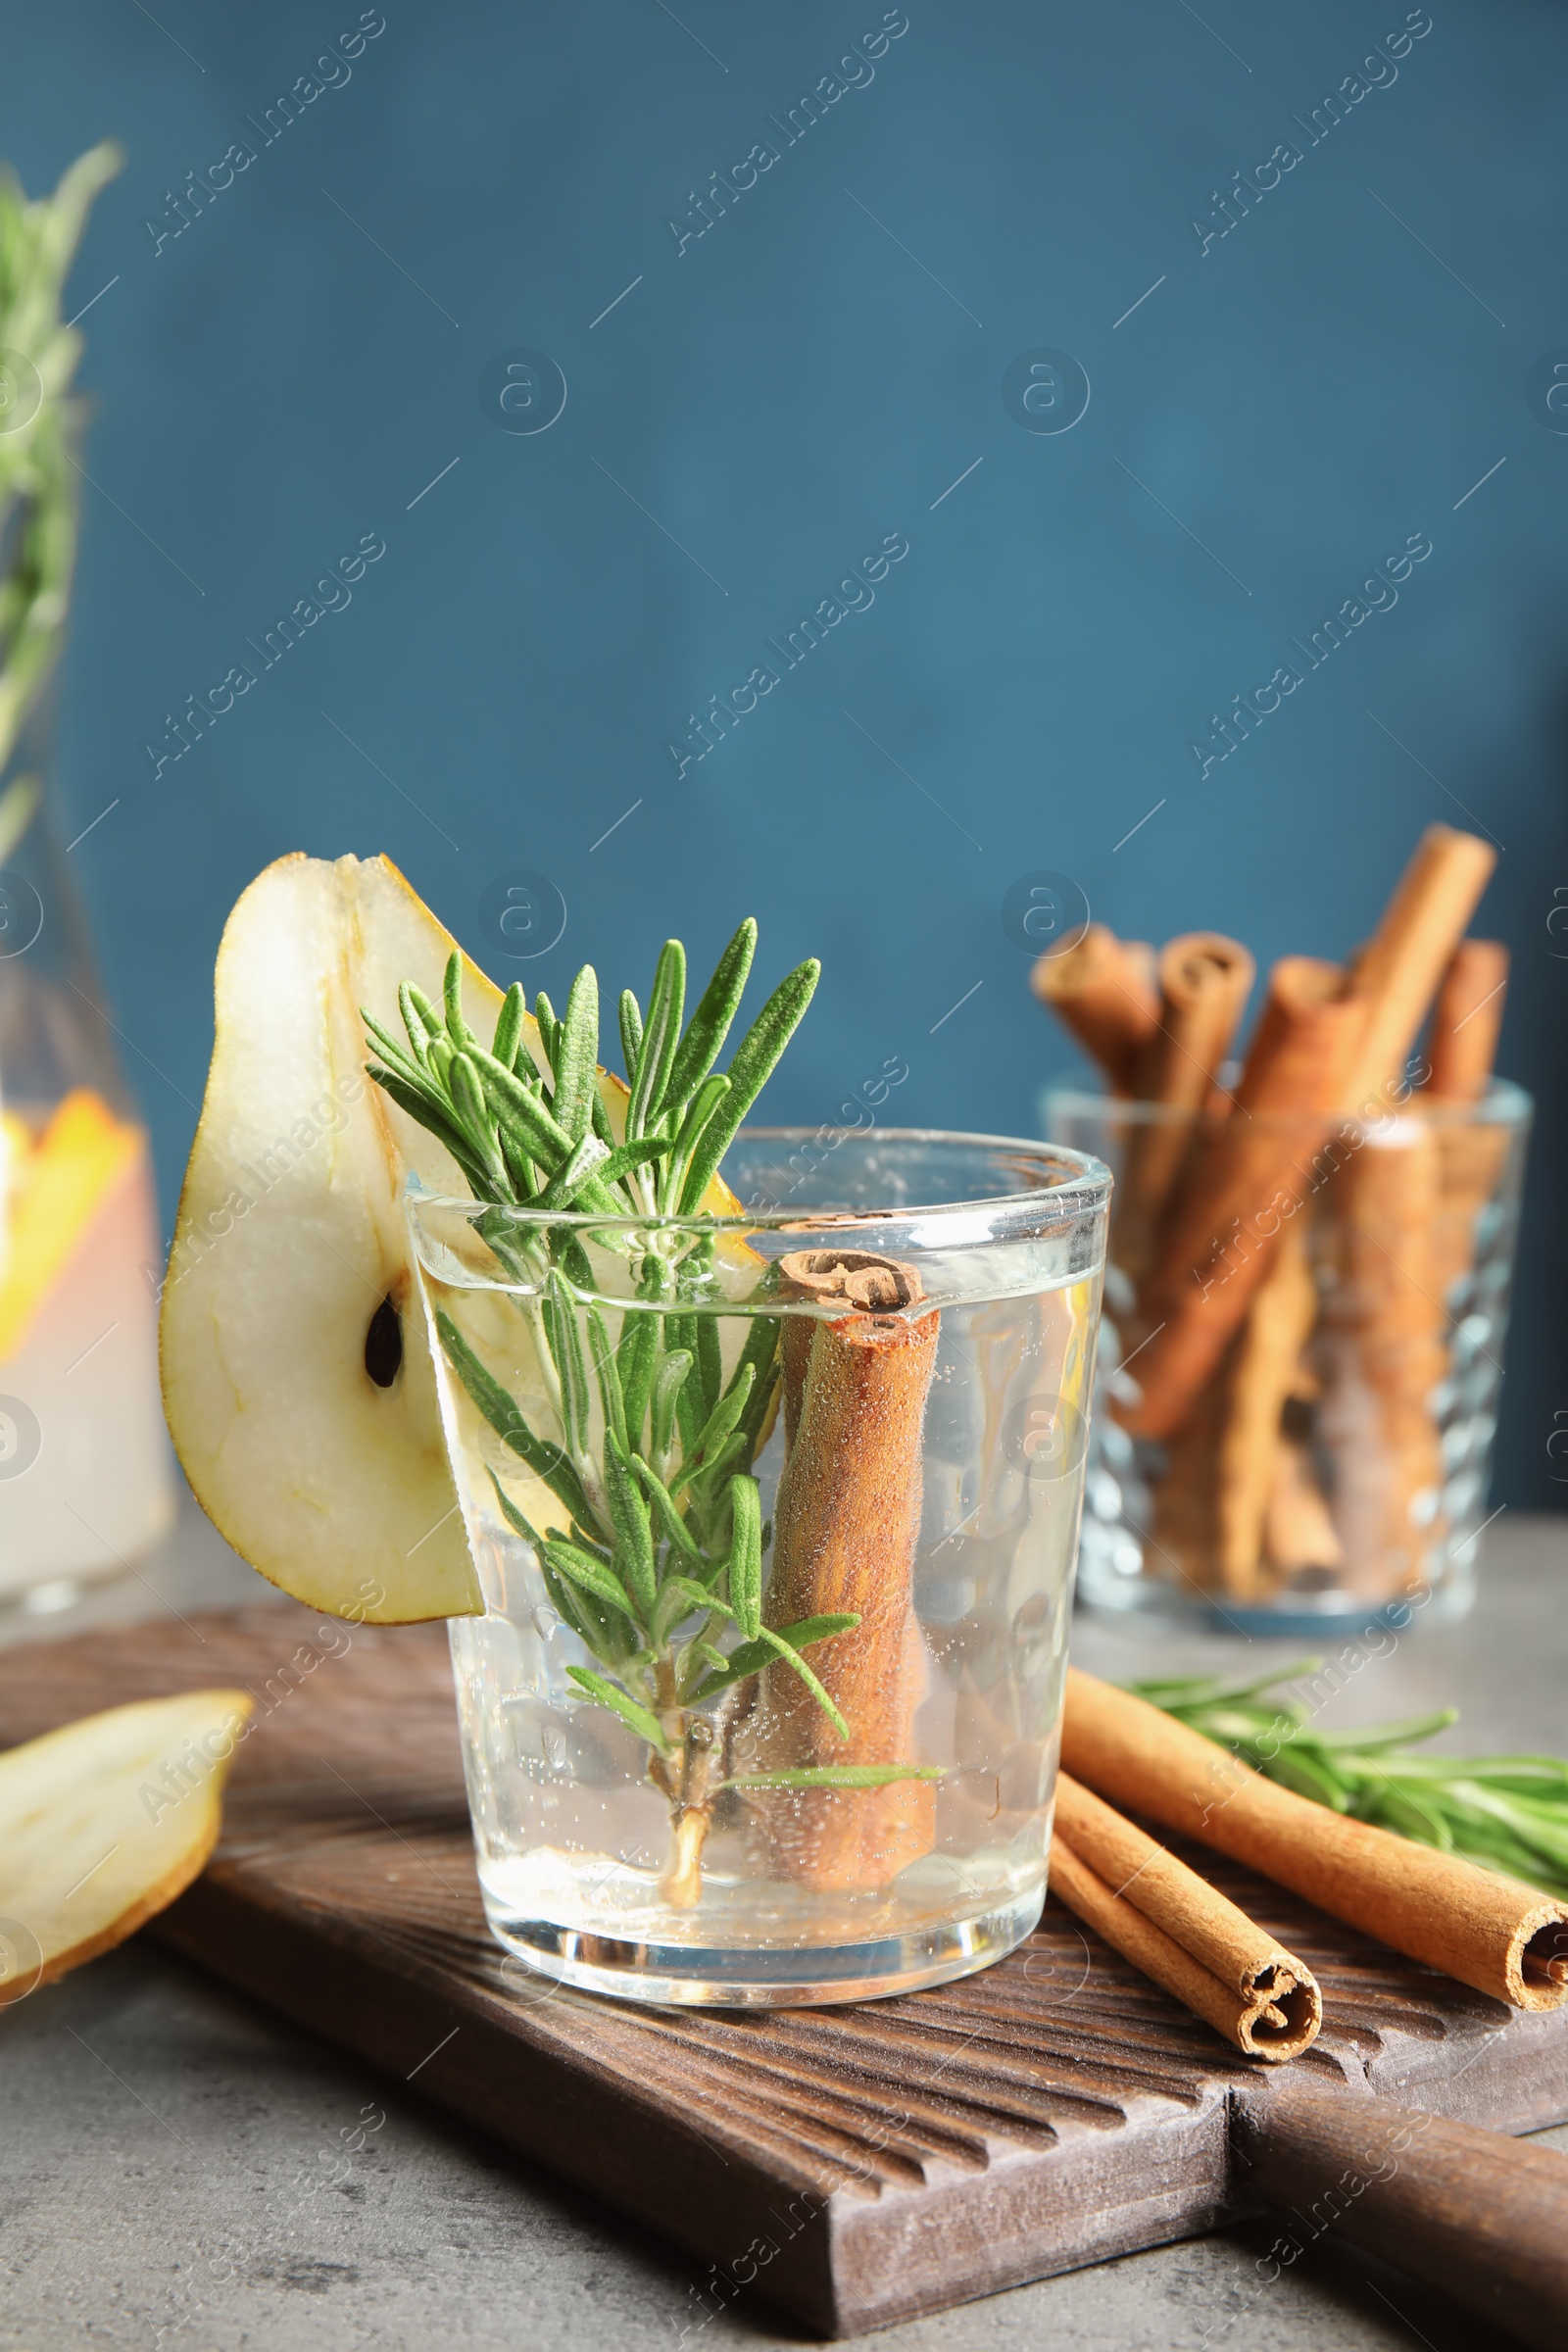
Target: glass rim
{"points": [[1082, 1187], [1504, 1105]]}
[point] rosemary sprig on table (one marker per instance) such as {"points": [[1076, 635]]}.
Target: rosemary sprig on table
{"points": [[658, 1566], [1507, 1812]]}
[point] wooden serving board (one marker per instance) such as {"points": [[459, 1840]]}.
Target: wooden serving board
{"points": [[858, 2165]]}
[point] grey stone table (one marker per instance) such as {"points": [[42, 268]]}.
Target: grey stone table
{"points": [[179, 2168]]}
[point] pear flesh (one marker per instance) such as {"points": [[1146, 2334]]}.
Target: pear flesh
{"points": [[296, 1370], [104, 1822]]}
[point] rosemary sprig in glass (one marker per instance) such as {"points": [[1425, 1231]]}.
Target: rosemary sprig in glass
{"points": [[38, 241], [1507, 1812], [658, 1566]]}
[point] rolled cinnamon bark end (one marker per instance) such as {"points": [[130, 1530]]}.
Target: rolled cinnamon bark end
{"points": [[1465, 1022], [1103, 991], [1180, 1930], [1494, 1933], [1204, 982], [1398, 969], [1248, 1177], [846, 1524]]}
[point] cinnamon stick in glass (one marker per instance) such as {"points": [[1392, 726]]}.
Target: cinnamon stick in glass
{"points": [[1492, 1933], [1248, 1176], [1398, 969], [1103, 991], [1384, 1341], [844, 1527], [1266, 1369], [1204, 982], [1179, 1930], [1471, 1152], [1466, 1021]]}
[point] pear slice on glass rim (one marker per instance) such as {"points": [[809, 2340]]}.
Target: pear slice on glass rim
{"points": [[297, 1375], [104, 1822]]}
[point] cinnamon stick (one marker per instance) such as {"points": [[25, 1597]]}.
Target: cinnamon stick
{"points": [[846, 1523], [1466, 1021], [1176, 1927], [1204, 982], [1398, 969], [1471, 1152], [1246, 1178], [1298, 1530], [1504, 1939], [1385, 1331], [1278, 1326], [1103, 991]]}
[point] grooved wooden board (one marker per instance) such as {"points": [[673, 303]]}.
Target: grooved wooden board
{"points": [[858, 2166]]}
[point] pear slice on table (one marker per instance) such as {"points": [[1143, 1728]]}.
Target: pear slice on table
{"points": [[103, 1824], [296, 1368]]}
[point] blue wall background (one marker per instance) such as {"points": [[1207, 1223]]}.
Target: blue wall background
{"points": [[759, 411]]}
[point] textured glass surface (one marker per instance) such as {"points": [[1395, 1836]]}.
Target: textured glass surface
{"points": [[1408, 1230]]}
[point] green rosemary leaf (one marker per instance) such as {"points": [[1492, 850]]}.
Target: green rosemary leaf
{"points": [[469, 1101], [754, 1064], [809, 1630], [434, 1025], [583, 1166], [695, 1594], [838, 1776], [457, 1029], [600, 1116], [1388, 1734], [643, 1722], [668, 1382], [792, 1658], [669, 1517], [680, 1334], [544, 1013], [578, 1055], [523, 1175], [706, 1099], [656, 1052], [520, 1108], [597, 1619], [611, 1403], [760, 1356], [436, 1119], [1299, 1769], [414, 1023], [574, 1261], [565, 1346], [572, 1608], [624, 1157], [546, 1461], [629, 1517], [392, 1053], [716, 1432], [709, 1026], [637, 1352], [508, 1026], [709, 1364], [583, 1570], [631, 1031], [745, 1564]]}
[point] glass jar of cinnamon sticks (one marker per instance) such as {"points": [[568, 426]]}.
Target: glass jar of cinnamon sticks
{"points": [[1310, 1257], [775, 1517]]}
